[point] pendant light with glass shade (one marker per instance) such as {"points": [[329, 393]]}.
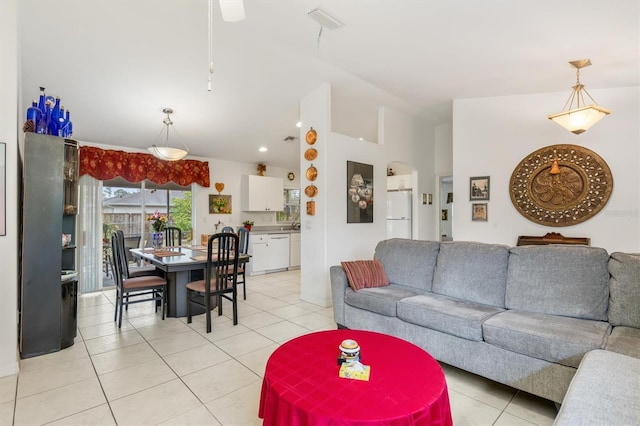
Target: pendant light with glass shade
{"points": [[165, 152], [579, 119]]}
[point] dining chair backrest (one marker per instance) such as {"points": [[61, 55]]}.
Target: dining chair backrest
{"points": [[172, 236], [132, 241], [227, 229], [222, 262], [243, 243], [120, 270]]}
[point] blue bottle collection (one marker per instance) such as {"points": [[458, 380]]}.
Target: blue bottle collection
{"points": [[47, 116]]}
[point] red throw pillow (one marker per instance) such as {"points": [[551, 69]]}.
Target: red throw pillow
{"points": [[365, 274]]}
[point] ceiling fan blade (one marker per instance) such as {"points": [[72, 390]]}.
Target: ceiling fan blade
{"points": [[232, 10]]}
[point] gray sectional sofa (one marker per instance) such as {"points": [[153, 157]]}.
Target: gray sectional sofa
{"points": [[522, 316]]}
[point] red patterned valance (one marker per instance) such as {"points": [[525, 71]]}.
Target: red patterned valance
{"points": [[105, 164]]}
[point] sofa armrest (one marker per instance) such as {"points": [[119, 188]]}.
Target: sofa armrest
{"points": [[339, 284], [604, 390]]}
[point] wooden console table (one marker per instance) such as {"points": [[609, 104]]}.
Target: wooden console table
{"points": [[553, 238]]}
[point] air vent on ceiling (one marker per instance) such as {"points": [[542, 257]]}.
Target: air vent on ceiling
{"points": [[324, 19]]}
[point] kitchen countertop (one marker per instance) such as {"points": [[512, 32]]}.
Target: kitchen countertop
{"points": [[273, 230]]}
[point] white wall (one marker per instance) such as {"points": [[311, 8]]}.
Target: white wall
{"points": [[9, 135], [492, 135]]}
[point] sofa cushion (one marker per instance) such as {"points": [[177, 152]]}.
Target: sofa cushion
{"points": [[381, 300], [572, 281], [624, 289], [552, 338], [624, 340], [365, 274], [476, 272], [604, 391], [408, 263], [446, 314]]}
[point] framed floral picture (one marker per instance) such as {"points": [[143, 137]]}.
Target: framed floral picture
{"points": [[219, 204], [359, 192], [479, 212]]}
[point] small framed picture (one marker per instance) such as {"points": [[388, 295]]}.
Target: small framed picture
{"points": [[479, 188], [479, 212]]}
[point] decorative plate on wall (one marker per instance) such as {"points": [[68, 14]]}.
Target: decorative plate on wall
{"points": [[310, 154], [312, 173], [561, 185], [311, 136], [311, 191]]}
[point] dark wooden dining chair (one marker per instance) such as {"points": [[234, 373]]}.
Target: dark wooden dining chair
{"points": [[172, 235], [243, 248], [140, 271], [130, 242], [227, 229], [220, 278], [130, 290]]}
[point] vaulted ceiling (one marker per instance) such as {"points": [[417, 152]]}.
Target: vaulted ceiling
{"points": [[116, 64]]}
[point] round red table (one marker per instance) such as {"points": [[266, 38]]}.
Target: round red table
{"points": [[301, 385]]}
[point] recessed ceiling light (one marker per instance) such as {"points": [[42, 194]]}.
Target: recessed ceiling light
{"points": [[361, 139], [299, 124], [263, 149]]}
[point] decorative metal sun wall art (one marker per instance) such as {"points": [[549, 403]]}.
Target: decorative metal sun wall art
{"points": [[561, 185]]}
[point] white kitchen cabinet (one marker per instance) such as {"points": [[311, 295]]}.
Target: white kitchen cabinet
{"points": [[269, 252], [294, 250], [261, 193], [259, 251]]}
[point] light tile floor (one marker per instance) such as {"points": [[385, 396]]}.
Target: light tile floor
{"points": [[171, 373]]}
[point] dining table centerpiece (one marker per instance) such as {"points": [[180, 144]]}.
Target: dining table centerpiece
{"points": [[158, 223]]}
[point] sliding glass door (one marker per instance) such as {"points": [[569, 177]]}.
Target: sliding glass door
{"points": [[125, 206]]}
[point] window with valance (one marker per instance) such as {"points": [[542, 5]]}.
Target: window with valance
{"points": [[106, 164]]}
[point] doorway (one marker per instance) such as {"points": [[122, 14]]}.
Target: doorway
{"points": [[446, 208]]}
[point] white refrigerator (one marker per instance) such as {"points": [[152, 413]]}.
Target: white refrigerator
{"points": [[399, 214]]}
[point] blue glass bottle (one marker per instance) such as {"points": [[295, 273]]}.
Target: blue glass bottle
{"points": [[33, 114], [43, 125], [42, 100], [54, 123], [69, 125], [61, 122]]}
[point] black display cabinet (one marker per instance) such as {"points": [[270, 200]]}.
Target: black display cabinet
{"points": [[48, 304]]}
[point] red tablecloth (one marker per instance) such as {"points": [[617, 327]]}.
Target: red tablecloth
{"points": [[301, 384]]}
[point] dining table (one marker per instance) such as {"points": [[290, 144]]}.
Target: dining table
{"points": [[180, 265]]}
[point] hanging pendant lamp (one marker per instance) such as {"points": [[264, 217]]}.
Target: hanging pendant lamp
{"points": [[165, 152], [579, 119]]}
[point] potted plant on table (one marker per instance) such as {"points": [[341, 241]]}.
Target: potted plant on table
{"points": [[248, 224], [158, 223]]}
